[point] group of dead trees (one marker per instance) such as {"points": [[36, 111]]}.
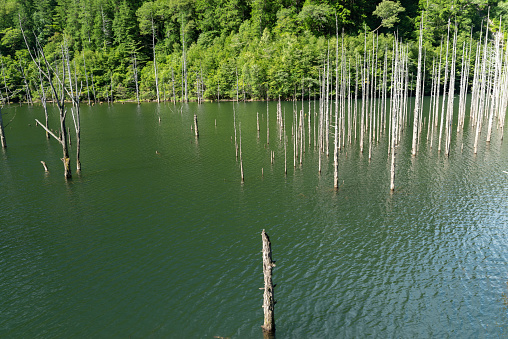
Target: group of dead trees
{"points": [[61, 78]]}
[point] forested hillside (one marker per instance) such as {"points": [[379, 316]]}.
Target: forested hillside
{"points": [[214, 49]]}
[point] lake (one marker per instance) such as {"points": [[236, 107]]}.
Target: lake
{"points": [[157, 237]]}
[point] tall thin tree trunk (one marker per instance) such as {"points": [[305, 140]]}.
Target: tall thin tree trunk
{"points": [[2, 132], [184, 61], [135, 74], [86, 78], [416, 112], [336, 139], [155, 60], [5, 79]]}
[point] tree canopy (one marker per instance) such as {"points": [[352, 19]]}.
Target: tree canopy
{"points": [[271, 45]]}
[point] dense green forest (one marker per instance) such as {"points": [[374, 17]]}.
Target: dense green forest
{"points": [[217, 49]]}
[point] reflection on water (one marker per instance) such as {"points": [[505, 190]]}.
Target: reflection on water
{"points": [[157, 237]]}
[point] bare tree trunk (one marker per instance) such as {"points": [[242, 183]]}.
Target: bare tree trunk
{"points": [[62, 139], [268, 295], [155, 61], [336, 139], [28, 94], [86, 78], [196, 131], [267, 122], [135, 71], [75, 110], [2, 133], [184, 61], [44, 102], [444, 90], [5, 81], [173, 81], [416, 112], [241, 161]]}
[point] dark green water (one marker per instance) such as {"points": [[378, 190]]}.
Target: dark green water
{"points": [[166, 244]]}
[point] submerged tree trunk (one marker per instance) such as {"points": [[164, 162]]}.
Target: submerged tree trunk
{"points": [[2, 133], [268, 295], [416, 112], [62, 139], [75, 94], [196, 131]]}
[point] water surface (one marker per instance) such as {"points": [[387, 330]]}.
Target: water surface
{"points": [[158, 237]]}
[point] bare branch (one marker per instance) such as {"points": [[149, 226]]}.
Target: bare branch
{"points": [[51, 133]]}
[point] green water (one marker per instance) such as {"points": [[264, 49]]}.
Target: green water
{"points": [[158, 237]]}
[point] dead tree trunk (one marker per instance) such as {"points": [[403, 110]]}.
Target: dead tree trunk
{"points": [[2, 134], [241, 161], [155, 60], [135, 75], [5, 81], [184, 60], [75, 94], [268, 295], [86, 77], [62, 139], [44, 103], [27, 87], [196, 125]]}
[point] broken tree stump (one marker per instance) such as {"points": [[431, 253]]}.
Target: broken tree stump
{"points": [[45, 167], [268, 295], [196, 131]]}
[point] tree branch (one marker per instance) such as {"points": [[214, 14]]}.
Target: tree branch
{"points": [[47, 130]]}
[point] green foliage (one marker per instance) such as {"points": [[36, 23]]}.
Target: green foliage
{"points": [[317, 18], [388, 11], [272, 47]]}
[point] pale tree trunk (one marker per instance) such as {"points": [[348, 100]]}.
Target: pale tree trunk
{"points": [[155, 61], [28, 94], [184, 61], [5, 80], [62, 139], [173, 81], [416, 112], [44, 103], [268, 295], [135, 71], [2, 133], [75, 94], [86, 78], [336, 146]]}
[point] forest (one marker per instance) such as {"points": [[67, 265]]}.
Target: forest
{"points": [[193, 50]]}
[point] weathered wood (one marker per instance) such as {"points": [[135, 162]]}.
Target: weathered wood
{"points": [[196, 131], [241, 161], [60, 101], [268, 295], [37, 122], [416, 113], [2, 134]]}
